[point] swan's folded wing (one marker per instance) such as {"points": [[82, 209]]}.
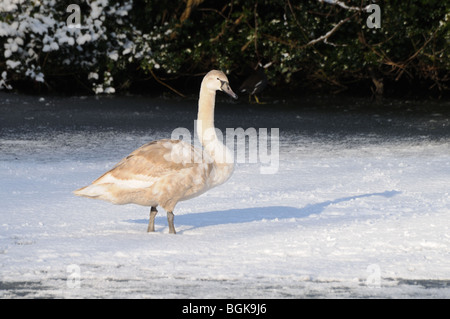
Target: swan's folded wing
{"points": [[149, 163]]}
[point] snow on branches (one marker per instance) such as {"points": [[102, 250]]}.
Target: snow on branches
{"points": [[36, 31]]}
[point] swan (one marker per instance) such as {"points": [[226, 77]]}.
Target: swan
{"points": [[165, 172]]}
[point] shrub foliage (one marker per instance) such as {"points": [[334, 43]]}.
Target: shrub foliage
{"points": [[309, 45]]}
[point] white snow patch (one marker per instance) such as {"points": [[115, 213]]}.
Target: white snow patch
{"points": [[82, 39], [12, 64], [318, 227], [114, 55]]}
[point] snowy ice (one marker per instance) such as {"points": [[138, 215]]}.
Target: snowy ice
{"points": [[353, 215]]}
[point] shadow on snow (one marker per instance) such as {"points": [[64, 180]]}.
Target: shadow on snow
{"points": [[246, 215]]}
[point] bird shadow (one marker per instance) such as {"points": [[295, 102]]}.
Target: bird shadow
{"points": [[245, 215]]}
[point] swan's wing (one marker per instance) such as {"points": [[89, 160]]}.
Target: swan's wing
{"points": [[152, 161]]}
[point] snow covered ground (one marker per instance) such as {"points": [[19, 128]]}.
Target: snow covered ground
{"points": [[350, 216]]}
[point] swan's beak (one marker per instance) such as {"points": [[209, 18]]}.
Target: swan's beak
{"points": [[226, 88]]}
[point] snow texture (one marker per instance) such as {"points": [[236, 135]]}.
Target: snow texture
{"points": [[358, 217], [40, 28]]}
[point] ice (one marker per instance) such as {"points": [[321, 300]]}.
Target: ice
{"points": [[349, 216]]}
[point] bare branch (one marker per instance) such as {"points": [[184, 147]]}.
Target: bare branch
{"points": [[328, 34], [342, 5], [165, 84], [189, 6]]}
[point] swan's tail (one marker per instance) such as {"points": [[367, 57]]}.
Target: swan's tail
{"points": [[92, 191]]}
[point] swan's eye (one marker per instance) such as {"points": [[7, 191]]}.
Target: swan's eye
{"points": [[222, 84]]}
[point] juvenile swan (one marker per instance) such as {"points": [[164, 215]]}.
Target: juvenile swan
{"points": [[165, 172]]}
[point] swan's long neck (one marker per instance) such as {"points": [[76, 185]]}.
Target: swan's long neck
{"points": [[212, 146], [205, 118]]}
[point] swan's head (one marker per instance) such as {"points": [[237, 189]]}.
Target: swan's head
{"points": [[217, 81]]}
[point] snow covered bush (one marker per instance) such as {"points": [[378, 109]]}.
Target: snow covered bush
{"points": [[39, 41], [310, 45]]}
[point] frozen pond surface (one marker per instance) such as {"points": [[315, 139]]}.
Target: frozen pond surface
{"points": [[359, 206]]}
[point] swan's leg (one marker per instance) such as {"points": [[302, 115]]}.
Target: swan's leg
{"points": [[170, 221], [151, 222]]}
